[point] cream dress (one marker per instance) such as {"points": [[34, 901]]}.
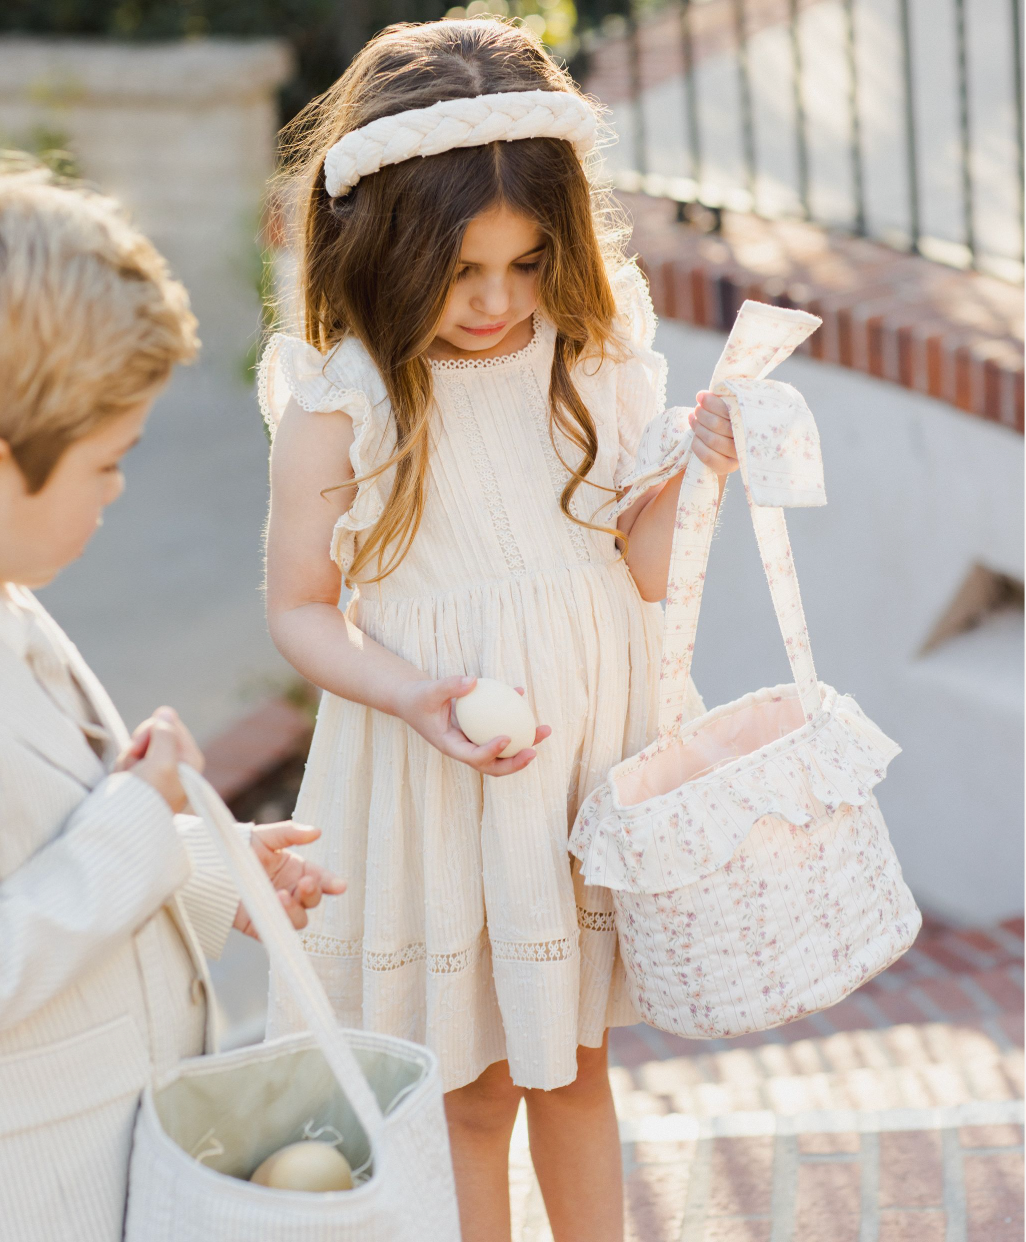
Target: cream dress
{"points": [[465, 926]]}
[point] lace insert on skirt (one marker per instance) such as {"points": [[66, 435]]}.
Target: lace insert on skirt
{"points": [[558, 950]]}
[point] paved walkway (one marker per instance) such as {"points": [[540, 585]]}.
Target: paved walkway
{"points": [[896, 1116]]}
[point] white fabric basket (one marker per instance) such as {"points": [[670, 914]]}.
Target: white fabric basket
{"points": [[211, 1121], [753, 878]]}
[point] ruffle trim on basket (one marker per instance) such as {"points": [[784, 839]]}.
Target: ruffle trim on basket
{"points": [[674, 839]]}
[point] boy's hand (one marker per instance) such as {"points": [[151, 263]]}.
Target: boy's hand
{"points": [[137, 748], [427, 706], [158, 746], [714, 440], [300, 884]]}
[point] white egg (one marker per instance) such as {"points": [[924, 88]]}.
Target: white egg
{"points": [[493, 709], [308, 1165]]}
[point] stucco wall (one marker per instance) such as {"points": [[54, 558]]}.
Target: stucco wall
{"points": [[917, 494]]}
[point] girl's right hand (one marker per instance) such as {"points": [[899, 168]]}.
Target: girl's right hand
{"points": [[427, 706]]}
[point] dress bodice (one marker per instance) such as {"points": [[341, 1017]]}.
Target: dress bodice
{"points": [[494, 477]]}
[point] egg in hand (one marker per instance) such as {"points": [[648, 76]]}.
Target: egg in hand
{"points": [[493, 709]]}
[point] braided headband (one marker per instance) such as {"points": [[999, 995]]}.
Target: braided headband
{"points": [[470, 122]]}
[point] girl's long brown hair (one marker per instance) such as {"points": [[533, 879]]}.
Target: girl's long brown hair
{"points": [[379, 262]]}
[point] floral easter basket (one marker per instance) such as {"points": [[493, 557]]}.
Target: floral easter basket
{"points": [[752, 875]]}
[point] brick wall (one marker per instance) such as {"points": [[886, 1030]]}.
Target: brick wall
{"points": [[951, 334]]}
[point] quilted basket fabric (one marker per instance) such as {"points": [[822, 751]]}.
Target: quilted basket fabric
{"points": [[762, 891], [173, 1197], [792, 923]]}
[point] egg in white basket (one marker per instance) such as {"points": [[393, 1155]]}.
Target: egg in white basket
{"points": [[493, 709], [307, 1165]]}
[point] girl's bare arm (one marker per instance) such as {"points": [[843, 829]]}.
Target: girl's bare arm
{"points": [[309, 460], [310, 456], [649, 521]]}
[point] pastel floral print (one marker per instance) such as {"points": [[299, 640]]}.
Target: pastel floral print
{"points": [[752, 876]]}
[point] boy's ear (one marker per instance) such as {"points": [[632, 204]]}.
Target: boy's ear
{"points": [[5, 450]]}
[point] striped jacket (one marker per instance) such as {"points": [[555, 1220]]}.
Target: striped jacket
{"points": [[107, 905]]}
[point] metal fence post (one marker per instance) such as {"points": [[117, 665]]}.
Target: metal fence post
{"points": [[911, 156], [800, 134], [854, 123], [634, 63], [745, 95], [964, 129], [691, 96], [1017, 80]]}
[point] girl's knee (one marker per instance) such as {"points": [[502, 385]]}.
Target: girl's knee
{"points": [[490, 1102]]}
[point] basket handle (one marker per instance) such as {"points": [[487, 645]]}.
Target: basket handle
{"points": [[283, 947], [762, 337]]}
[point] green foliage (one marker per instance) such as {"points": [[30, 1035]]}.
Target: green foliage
{"points": [[42, 145], [324, 33], [163, 19], [313, 27], [555, 21]]}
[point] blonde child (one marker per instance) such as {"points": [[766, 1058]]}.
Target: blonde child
{"points": [[475, 376], [108, 898]]}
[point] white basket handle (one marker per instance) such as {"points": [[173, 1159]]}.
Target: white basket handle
{"points": [[283, 947], [762, 337]]}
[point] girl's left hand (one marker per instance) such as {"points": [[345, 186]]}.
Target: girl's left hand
{"points": [[300, 884], [714, 440]]}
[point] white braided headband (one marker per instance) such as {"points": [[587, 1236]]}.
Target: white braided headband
{"points": [[470, 122]]}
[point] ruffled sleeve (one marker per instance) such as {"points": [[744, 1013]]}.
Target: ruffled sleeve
{"points": [[347, 381], [641, 377], [654, 441]]}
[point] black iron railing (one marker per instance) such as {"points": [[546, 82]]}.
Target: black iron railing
{"points": [[609, 25]]}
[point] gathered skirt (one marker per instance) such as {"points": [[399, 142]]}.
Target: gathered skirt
{"points": [[466, 925]]}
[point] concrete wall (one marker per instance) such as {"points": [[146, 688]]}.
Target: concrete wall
{"points": [[167, 605], [918, 493]]}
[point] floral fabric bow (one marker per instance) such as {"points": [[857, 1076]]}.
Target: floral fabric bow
{"points": [[774, 432]]}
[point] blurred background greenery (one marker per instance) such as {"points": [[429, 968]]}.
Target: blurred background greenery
{"points": [[325, 34]]}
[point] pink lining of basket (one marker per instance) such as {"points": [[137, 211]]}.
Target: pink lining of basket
{"points": [[720, 738], [675, 837]]}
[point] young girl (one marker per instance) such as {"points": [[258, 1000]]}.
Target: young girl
{"points": [[476, 373]]}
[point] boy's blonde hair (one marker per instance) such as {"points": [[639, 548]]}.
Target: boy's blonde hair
{"points": [[91, 323]]}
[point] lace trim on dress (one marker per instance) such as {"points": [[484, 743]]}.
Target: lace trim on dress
{"points": [[558, 474], [596, 920], [330, 946], [376, 960], [263, 376], [560, 950], [489, 483], [481, 364]]}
